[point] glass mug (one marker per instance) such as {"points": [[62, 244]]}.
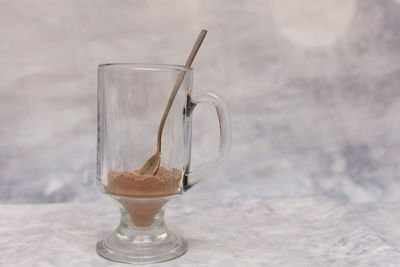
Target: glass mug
{"points": [[131, 101]]}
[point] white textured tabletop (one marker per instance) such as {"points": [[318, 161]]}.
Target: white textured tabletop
{"points": [[253, 232]]}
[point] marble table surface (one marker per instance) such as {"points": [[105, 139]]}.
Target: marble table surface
{"points": [[237, 232]]}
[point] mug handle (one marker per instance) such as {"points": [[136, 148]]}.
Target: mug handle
{"points": [[194, 176]]}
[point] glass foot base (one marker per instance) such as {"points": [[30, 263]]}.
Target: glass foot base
{"points": [[131, 244], [115, 249]]}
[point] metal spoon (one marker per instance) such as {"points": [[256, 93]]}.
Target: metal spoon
{"points": [[153, 163]]}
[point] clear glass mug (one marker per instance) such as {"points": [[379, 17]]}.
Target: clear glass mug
{"points": [[131, 101]]}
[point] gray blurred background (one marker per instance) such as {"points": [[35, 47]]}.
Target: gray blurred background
{"points": [[313, 87]]}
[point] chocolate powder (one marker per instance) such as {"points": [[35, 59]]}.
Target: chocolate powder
{"points": [[132, 184]]}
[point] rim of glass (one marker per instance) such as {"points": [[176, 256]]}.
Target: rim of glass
{"points": [[144, 66]]}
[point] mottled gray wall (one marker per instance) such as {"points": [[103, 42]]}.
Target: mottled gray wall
{"points": [[313, 89]]}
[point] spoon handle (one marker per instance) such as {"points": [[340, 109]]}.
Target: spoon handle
{"points": [[178, 83]]}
